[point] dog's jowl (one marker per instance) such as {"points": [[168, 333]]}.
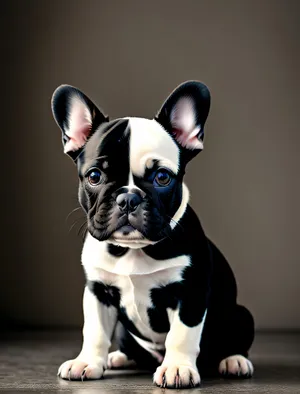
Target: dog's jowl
{"points": [[149, 266]]}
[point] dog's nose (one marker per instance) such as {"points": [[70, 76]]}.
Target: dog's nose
{"points": [[128, 201]]}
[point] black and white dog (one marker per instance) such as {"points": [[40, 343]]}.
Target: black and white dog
{"points": [[147, 261]]}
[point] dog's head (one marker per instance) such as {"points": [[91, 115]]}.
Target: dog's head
{"points": [[131, 169]]}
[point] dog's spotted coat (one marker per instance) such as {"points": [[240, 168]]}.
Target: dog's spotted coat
{"points": [[148, 264]]}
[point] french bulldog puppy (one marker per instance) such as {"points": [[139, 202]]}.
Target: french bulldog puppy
{"points": [[147, 261]]}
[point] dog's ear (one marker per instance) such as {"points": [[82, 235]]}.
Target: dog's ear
{"points": [[183, 115], [77, 117]]}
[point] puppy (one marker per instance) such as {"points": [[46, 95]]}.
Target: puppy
{"points": [[147, 261]]}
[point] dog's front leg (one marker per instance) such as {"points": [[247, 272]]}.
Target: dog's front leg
{"points": [[179, 368], [99, 324]]}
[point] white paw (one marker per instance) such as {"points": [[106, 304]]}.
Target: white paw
{"points": [[176, 376], [80, 369], [118, 359], [236, 365]]}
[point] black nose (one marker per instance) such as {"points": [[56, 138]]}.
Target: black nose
{"points": [[128, 201]]}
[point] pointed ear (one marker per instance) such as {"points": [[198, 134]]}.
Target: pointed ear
{"points": [[184, 113], [77, 117]]}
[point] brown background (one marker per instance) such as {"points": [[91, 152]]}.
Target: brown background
{"points": [[128, 56]]}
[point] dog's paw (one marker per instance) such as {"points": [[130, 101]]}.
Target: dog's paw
{"points": [[176, 376], [236, 366], [79, 369], [118, 359]]}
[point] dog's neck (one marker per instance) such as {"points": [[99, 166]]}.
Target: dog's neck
{"points": [[183, 240]]}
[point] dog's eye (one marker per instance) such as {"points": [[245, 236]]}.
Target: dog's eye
{"points": [[162, 177], [94, 177]]}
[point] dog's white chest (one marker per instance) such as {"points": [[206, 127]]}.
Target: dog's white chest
{"points": [[135, 274], [136, 297]]}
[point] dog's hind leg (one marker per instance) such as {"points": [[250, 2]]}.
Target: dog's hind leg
{"points": [[119, 360], [225, 343]]}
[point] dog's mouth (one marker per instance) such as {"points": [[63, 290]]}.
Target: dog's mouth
{"points": [[126, 229], [128, 235]]}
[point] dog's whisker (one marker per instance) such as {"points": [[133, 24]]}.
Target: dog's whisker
{"points": [[76, 222], [82, 229], [73, 211]]}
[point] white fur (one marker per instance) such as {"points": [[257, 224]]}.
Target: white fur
{"points": [[131, 184], [183, 342], [176, 376], [133, 240], [134, 262], [132, 244], [182, 349], [151, 347], [135, 274], [149, 141], [118, 359], [236, 365], [99, 324], [180, 211]]}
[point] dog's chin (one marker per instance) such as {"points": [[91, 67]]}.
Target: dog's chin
{"points": [[129, 237], [126, 236]]}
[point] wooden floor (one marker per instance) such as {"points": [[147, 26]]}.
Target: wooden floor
{"points": [[29, 362]]}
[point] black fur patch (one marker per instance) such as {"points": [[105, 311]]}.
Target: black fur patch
{"points": [[106, 149], [116, 250], [107, 295], [158, 319], [163, 298], [194, 290], [128, 324]]}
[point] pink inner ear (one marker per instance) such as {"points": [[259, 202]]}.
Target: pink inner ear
{"points": [[183, 120], [77, 138], [80, 124], [187, 140]]}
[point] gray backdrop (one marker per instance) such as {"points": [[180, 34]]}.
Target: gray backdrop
{"points": [[128, 56]]}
